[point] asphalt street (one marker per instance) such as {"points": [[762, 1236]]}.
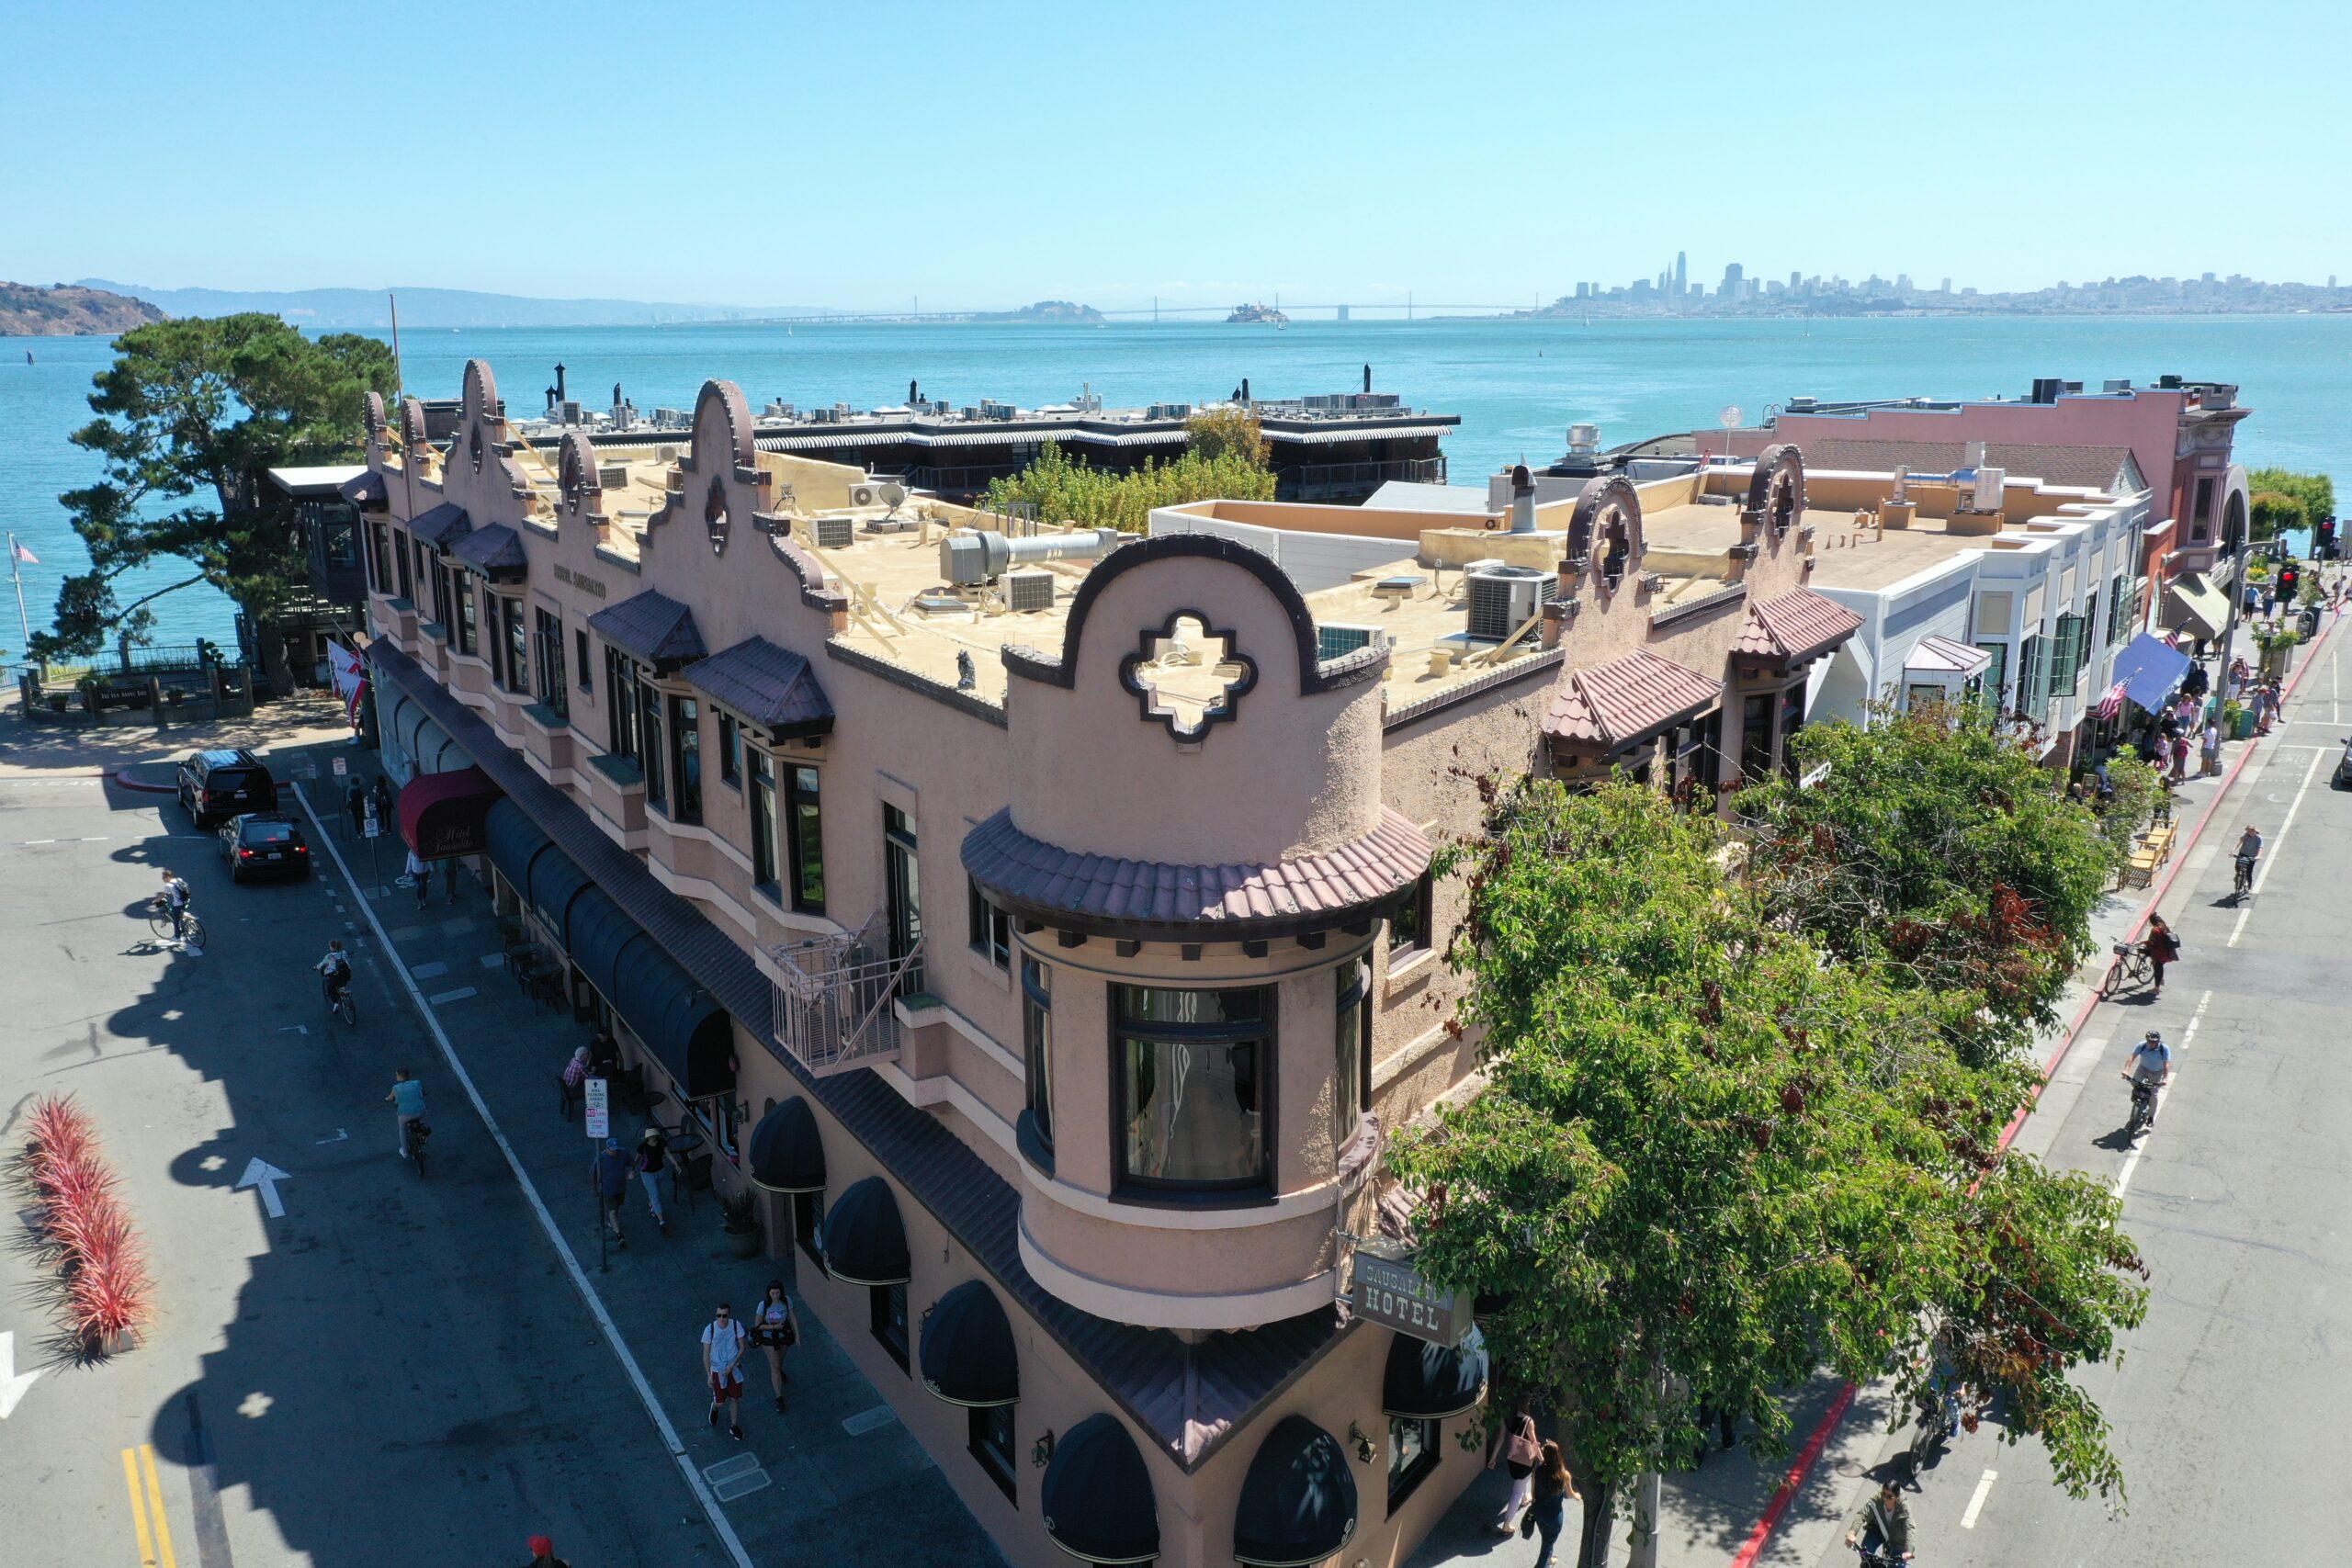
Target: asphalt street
{"points": [[393, 1371], [2229, 1404]]}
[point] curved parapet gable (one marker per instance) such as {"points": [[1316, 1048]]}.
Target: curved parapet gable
{"points": [[480, 395], [1605, 531], [726, 486], [723, 430], [413, 437], [371, 420], [1775, 492], [579, 489]]}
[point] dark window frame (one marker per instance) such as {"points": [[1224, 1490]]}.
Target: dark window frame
{"points": [[403, 565], [992, 1447], [902, 892], [1350, 1050], [730, 750], [1037, 1049], [686, 759], [469, 627], [803, 788], [621, 680], [1404, 1480], [809, 1224], [587, 669], [651, 754], [989, 933], [1412, 924], [765, 860], [1262, 1035], [887, 1318], [518, 644], [1754, 721], [554, 685]]}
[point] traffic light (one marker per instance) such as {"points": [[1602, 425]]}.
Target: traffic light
{"points": [[2289, 579], [2325, 537]]}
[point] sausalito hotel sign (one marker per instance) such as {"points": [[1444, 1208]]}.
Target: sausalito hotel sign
{"points": [[1388, 1292]]}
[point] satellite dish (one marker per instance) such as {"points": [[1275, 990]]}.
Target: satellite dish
{"points": [[1730, 417]]}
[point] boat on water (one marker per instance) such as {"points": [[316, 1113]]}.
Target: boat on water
{"points": [[1258, 315]]}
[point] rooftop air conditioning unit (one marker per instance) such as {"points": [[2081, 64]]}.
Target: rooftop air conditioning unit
{"points": [[1335, 639], [1503, 599], [1027, 591], [836, 532], [873, 492], [613, 476]]}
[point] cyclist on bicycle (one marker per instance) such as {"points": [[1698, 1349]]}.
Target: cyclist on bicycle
{"points": [[2150, 1069], [1884, 1526], [336, 967], [2249, 851], [176, 896], [408, 1105]]}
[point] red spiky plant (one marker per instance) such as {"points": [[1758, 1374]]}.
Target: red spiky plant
{"points": [[108, 1293]]}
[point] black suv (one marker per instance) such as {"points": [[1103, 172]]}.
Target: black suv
{"points": [[216, 786]]}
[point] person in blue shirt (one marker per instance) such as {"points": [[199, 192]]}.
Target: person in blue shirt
{"points": [[609, 1174], [408, 1105]]}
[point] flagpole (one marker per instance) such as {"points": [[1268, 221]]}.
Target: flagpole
{"points": [[17, 576]]}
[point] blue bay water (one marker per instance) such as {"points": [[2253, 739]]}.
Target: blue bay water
{"points": [[1516, 384]]}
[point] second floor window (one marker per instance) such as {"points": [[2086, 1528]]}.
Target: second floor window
{"points": [[1037, 1046], [804, 832], [1352, 1056], [730, 750], [518, 645], [648, 745], [1193, 1066], [686, 759], [401, 560], [620, 686], [991, 929], [762, 768], [554, 690], [468, 638]]}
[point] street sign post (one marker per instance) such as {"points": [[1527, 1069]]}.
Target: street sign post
{"points": [[599, 1107], [596, 1112], [342, 766]]}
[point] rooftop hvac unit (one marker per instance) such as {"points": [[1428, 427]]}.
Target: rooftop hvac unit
{"points": [[1502, 600], [613, 476], [1584, 440], [1335, 639], [967, 557], [1026, 591], [570, 412], [664, 454], [866, 495], [836, 532]]}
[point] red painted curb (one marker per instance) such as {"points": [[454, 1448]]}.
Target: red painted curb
{"points": [[1836, 1412], [1795, 1479], [124, 780]]}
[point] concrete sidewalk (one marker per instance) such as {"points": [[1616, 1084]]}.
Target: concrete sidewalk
{"points": [[835, 1479]]}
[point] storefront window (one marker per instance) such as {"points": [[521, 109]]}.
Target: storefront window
{"points": [[991, 1443], [1194, 1068], [887, 1305], [1412, 1454]]}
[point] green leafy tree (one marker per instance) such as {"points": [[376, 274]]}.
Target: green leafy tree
{"points": [[1939, 846], [1224, 459], [192, 414], [1711, 1160], [2314, 496], [1229, 431]]}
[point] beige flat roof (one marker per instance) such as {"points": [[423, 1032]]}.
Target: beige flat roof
{"points": [[1844, 556]]}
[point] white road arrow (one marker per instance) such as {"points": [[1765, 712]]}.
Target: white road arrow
{"points": [[13, 1383], [260, 1173]]}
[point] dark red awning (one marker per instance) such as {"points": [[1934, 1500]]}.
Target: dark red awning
{"points": [[441, 814]]}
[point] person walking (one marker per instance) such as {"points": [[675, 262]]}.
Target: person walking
{"points": [[1521, 1450], [382, 797], [652, 1159], [407, 1100], [354, 800], [608, 1175], [2210, 755], [2179, 758], [775, 1329], [1548, 1514], [542, 1551], [573, 1078], [2163, 947], [722, 1366], [449, 878], [420, 872]]}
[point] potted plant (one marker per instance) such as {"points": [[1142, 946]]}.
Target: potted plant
{"points": [[739, 1216], [2234, 721], [57, 701]]}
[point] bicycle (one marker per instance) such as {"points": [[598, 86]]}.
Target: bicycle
{"points": [[2245, 877], [2131, 966], [159, 921], [340, 1004], [413, 1135]]}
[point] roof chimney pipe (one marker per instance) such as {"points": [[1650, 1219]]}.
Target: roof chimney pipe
{"points": [[1523, 500]]}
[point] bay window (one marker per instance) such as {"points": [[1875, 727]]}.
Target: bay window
{"points": [[686, 759], [1037, 1046], [763, 770], [1352, 1055], [1193, 1069]]}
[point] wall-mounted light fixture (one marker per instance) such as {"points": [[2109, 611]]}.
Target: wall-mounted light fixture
{"points": [[1366, 1450], [1041, 1450]]}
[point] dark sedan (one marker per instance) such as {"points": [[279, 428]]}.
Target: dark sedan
{"points": [[264, 843], [2344, 767]]}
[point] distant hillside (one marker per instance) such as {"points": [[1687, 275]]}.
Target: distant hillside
{"points": [[69, 309], [358, 308], [1044, 311]]}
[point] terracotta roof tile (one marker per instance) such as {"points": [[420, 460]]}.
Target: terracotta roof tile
{"points": [[1229, 901], [1627, 700], [1800, 624]]}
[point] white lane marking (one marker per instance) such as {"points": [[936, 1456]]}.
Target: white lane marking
{"points": [[13, 1382], [2132, 1160], [294, 1029], [1976, 1502], [2270, 850], [661, 1418], [260, 1173], [339, 1137], [460, 994]]}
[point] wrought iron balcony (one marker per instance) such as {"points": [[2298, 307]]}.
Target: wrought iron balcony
{"points": [[833, 998]]}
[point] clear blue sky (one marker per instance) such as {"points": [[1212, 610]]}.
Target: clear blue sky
{"points": [[858, 153]]}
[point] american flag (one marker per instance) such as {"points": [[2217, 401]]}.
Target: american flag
{"points": [[2110, 707]]}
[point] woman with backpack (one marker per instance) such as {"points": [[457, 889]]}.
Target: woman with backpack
{"points": [[774, 1329]]}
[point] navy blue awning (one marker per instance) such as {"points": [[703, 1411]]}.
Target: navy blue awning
{"points": [[967, 1352], [594, 932], [2150, 669], [865, 1244], [1432, 1383], [555, 880], [1096, 1501], [513, 841], [689, 1034], [786, 1153], [1299, 1502]]}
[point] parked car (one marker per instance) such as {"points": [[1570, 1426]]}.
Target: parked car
{"points": [[217, 785], [2344, 768], [264, 843]]}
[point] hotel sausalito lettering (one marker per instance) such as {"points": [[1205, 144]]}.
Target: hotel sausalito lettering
{"points": [[1389, 1293], [585, 584]]}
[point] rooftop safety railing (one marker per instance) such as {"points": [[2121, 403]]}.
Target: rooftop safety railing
{"points": [[833, 1001]]}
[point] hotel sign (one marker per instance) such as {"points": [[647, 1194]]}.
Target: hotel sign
{"points": [[1388, 1292], [585, 584]]}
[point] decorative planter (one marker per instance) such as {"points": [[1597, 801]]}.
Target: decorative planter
{"points": [[743, 1244]]}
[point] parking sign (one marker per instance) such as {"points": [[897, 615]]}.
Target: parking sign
{"points": [[600, 1116]]}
